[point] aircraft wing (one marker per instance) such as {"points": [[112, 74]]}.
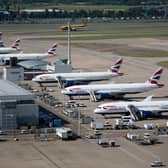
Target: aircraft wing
{"points": [[70, 79], [142, 112], [79, 80], [75, 79], [110, 91], [60, 78], [152, 109]]}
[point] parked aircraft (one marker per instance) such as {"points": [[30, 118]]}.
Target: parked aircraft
{"points": [[69, 79], [115, 90], [138, 110], [5, 58], [13, 48], [74, 27]]}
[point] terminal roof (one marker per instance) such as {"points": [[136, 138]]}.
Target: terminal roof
{"points": [[8, 88]]}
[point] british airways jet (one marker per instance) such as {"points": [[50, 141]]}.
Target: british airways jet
{"points": [[137, 109], [5, 58], [115, 90], [13, 48], [69, 79]]}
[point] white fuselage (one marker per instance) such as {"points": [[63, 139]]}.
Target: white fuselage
{"points": [[75, 76], [121, 107], [5, 50], [23, 56], [111, 89]]}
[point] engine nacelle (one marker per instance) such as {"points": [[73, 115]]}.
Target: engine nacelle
{"points": [[103, 96], [69, 83], [146, 114]]}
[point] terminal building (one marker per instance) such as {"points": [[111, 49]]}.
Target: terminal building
{"points": [[17, 106]]}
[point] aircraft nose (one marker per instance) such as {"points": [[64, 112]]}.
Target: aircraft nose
{"points": [[64, 91], [34, 79], [97, 110]]}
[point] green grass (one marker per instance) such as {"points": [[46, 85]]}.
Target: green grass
{"points": [[123, 49], [91, 7], [141, 53], [100, 31], [96, 31], [163, 64], [9, 29], [93, 31]]}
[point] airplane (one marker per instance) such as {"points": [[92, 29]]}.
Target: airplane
{"points": [[1, 42], [69, 79], [5, 58], [114, 90], [73, 27], [138, 110], [13, 48]]}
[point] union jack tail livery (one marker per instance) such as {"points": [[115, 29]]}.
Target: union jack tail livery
{"points": [[16, 45], [116, 67], [52, 50], [154, 79]]}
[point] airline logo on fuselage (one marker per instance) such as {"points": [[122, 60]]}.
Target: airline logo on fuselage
{"points": [[108, 107], [44, 77], [74, 89]]}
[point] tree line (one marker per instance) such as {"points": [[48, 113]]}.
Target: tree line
{"points": [[7, 4], [131, 13], [14, 12]]}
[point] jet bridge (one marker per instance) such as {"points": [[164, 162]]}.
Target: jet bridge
{"points": [[134, 112], [60, 82], [93, 96], [137, 114]]}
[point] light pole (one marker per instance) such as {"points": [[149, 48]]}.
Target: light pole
{"points": [[69, 43], [79, 131]]}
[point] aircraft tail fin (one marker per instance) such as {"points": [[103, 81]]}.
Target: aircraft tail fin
{"points": [[149, 98], [16, 45], [116, 67], [52, 50], [154, 79]]}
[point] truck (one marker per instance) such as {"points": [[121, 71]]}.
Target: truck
{"points": [[132, 136], [64, 133], [124, 123], [97, 125], [149, 126]]}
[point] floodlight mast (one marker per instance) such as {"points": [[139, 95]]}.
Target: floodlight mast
{"points": [[69, 43]]}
